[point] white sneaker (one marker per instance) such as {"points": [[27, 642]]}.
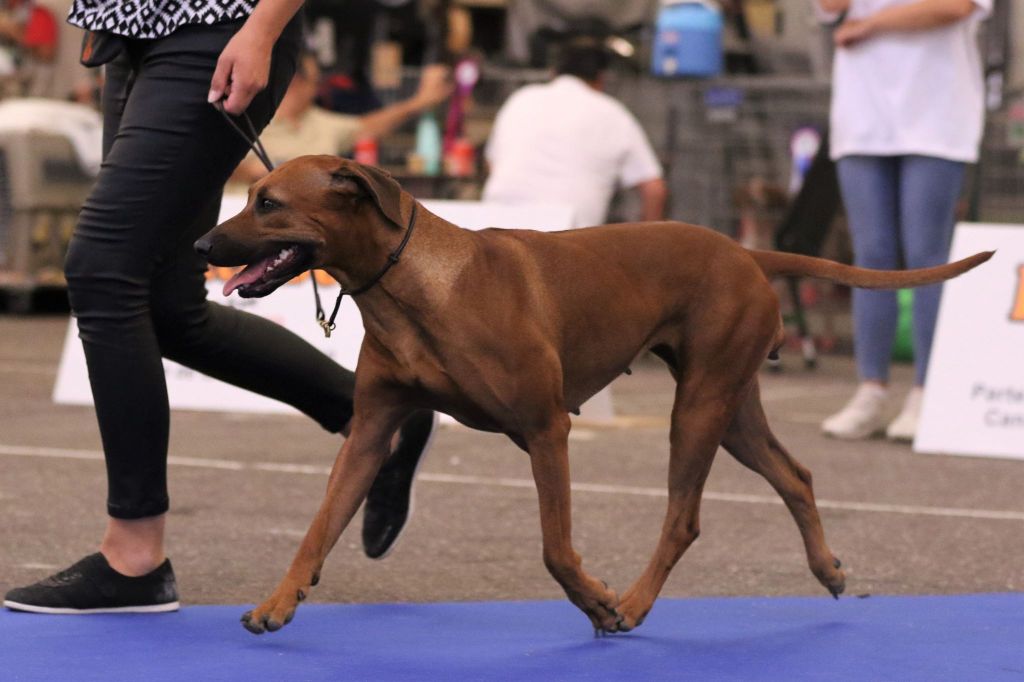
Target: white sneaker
{"points": [[904, 427], [864, 416]]}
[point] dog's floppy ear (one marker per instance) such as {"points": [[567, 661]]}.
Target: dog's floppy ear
{"points": [[382, 189]]}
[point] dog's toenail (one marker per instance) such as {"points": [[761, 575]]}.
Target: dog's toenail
{"points": [[252, 627]]}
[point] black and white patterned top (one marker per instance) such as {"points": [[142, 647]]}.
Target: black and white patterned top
{"points": [[154, 18]]}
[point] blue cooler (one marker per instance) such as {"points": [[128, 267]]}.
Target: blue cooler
{"points": [[688, 39]]}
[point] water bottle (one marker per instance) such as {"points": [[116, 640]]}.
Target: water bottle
{"points": [[428, 143]]}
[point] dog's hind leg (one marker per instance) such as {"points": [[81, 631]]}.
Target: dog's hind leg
{"points": [[750, 440], [549, 457], [703, 408]]}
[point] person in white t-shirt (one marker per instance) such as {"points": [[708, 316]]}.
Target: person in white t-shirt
{"points": [[568, 141], [907, 116]]}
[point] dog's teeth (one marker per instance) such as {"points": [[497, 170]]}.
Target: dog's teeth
{"points": [[284, 253]]}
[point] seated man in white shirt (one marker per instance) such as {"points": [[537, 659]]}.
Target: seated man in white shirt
{"points": [[568, 141]]}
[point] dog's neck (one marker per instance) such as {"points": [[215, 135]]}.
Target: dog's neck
{"points": [[360, 261], [423, 277]]}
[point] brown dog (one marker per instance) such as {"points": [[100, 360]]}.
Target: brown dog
{"points": [[510, 330]]}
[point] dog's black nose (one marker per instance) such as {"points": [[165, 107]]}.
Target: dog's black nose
{"points": [[203, 245]]}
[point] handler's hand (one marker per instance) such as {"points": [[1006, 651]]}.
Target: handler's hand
{"points": [[852, 32], [242, 70], [435, 85]]}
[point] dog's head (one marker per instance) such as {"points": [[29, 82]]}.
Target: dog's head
{"points": [[311, 212]]}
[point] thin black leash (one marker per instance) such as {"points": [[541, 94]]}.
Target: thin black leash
{"points": [[252, 138]]}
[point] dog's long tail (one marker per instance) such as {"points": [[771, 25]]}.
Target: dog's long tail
{"points": [[778, 263]]}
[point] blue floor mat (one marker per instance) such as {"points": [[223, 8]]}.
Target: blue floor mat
{"points": [[932, 638]]}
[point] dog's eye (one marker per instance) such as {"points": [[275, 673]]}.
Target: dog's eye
{"points": [[266, 205]]}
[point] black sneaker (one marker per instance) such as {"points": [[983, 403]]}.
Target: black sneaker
{"points": [[92, 586], [389, 502]]}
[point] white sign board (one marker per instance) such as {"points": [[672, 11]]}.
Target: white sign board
{"points": [[974, 394], [292, 306]]}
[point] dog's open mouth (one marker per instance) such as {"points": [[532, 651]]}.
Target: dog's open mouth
{"points": [[267, 274]]}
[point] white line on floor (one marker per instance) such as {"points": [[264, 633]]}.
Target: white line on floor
{"points": [[499, 482]]}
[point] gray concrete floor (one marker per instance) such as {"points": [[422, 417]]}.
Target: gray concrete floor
{"points": [[901, 522]]}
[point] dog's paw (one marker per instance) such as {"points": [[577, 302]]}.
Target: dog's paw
{"points": [[832, 577], [633, 609], [837, 584], [274, 613], [258, 624], [599, 603]]}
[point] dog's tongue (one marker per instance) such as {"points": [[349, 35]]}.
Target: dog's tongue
{"points": [[250, 274]]}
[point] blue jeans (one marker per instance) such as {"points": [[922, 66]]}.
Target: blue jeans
{"points": [[901, 211]]}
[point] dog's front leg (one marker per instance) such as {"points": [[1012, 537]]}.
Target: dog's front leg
{"points": [[354, 469], [549, 458]]}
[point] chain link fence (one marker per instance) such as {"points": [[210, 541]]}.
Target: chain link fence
{"points": [[718, 137]]}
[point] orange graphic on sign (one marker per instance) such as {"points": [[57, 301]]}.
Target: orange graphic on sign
{"points": [[1017, 313]]}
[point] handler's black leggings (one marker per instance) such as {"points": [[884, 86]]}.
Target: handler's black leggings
{"points": [[135, 283]]}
